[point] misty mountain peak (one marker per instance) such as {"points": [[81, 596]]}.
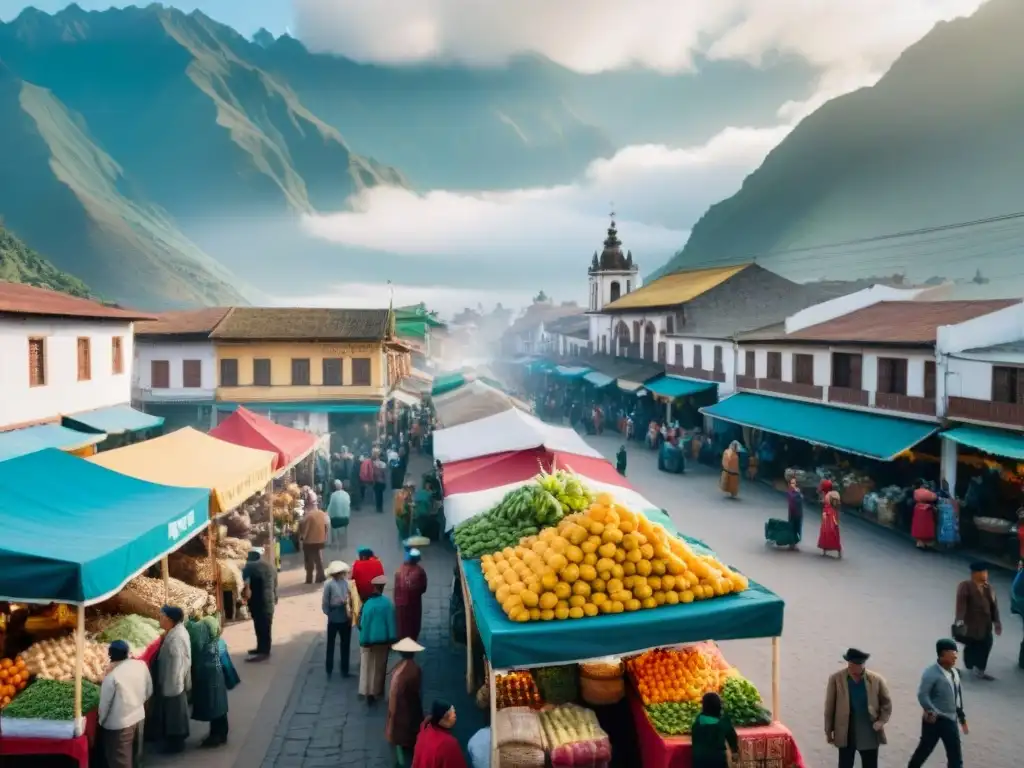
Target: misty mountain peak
{"points": [[263, 38]]}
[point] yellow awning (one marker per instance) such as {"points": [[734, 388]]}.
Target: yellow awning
{"points": [[192, 459], [676, 288]]}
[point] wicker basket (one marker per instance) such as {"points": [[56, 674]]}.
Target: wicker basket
{"points": [[602, 692], [520, 756], [602, 670]]}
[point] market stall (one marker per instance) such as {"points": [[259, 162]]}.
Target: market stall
{"points": [[511, 430], [472, 402], [121, 526], [250, 430]]}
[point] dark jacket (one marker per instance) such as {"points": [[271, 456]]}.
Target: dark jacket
{"points": [[977, 609], [262, 580], [209, 688]]}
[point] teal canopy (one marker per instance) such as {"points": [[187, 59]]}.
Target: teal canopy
{"points": [[674, 386], [571, 371], [113, 420], [996, 442], [19, 442], [598, 379], [753, 613], [75, 532], [874, 435], [540, 366], [302, 407], [446, 382]]}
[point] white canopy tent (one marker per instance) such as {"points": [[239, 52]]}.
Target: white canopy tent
{"points": [[511, 430]]}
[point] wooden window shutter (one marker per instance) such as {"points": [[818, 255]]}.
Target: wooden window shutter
{"points": [[36, 362], [929, 379], [775, 366], [300, 372], [229, 372], [1002, 384], [117, 355], [751, 364], [698, 361], [84, 359], [899, 376], [856, 372], [159, 374], [361, 375], [719, 360], [332, 371], [261, 372], [679, 356], [191, 374], [885, 375], [662, 350]]}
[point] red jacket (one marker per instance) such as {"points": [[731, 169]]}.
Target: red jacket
{"points": [[437, 748], [365, 571]]}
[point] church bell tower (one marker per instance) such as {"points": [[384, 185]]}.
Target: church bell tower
{"points": [[613, 274]]}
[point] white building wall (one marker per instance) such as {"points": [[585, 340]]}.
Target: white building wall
{"points": [[999, 327], [175, 353], [63, 393], [969, 378], [707, 347]]}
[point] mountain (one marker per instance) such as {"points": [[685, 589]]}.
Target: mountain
{"points": [[20, 264], [935, 142]]}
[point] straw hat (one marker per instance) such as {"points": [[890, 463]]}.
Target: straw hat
{"points": [[336, 567], [379, 581], [407, 645]]}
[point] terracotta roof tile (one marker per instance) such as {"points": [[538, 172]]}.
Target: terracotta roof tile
{"points": [[187, 322], [293, 323], [19, 299], [898, 322]]}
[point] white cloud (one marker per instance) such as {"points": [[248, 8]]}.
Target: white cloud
{"points": [[444, 299], [595, 35]]}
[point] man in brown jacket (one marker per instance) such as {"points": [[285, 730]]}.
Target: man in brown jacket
{"points": [[313, 532], [977, 616], [857, 707]]}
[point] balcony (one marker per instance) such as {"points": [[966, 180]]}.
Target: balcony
{"points": [[969, 409], [922, 406], [848, 396], [791, 388], [746, 382], [697, 373]]}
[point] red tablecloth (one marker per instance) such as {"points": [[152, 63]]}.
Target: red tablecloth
{"points": [[76, 749], [769, 746]]}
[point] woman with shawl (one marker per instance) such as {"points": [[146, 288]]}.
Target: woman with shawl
{"points": [[828, 537], [410, 586], [922, 526], [436, 747], [209, 686], [731, 470]]}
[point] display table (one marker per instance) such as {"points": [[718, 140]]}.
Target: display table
{"points": [[769, 746], [77, 748]]}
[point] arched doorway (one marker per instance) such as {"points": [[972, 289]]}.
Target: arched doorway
{"points": [[649, 333], [621, 338]]}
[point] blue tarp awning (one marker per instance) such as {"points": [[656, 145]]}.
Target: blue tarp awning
{"points": [[874, 435], [446, 382], [302, 407], [90, 532], [676, 386], [598, 379], [997, 442], [756, 612], [113, 420], [540, 366], [19, 442], [571, 371]]}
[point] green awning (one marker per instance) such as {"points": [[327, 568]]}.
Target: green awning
{"points": [[20, 442], [874, 435], [675, 386], [113, 420], [446, 382], [598, 379], [997, 442], [303, 407], [571, 371]]}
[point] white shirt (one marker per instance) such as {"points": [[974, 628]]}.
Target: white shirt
{"points": [[123, 695], [479, 748]]}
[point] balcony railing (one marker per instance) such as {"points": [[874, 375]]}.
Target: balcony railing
{"points": [[923, 406], [848, 396], [1010, 414], [697, 373], [791, 388], [746, 382]]}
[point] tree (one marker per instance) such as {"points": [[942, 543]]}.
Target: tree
{"points": [[540, 298]]}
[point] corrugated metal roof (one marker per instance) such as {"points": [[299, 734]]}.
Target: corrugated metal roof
{"points": [[675, 289]]}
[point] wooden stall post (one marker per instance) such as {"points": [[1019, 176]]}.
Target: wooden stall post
{"points": [[271, 543], [166, 573], [469, 628], [492, 681], [79, 664], [212, 539], [776, 679]]}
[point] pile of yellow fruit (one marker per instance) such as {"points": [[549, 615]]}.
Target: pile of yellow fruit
{"points": [[605, 560]]}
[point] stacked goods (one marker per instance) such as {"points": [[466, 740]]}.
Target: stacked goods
{"points": [[238, 524], [145, 596], [230, 548], [574, 738], [54, 618], [517, 689], [191, 569], [55, 659], [602, 682], [557, 685], [519, 738], [741, 701], [521, 513], [52, 700], [14, 677], [606, 560], [137, 631]]}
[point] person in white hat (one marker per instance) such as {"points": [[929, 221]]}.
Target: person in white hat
{"points": [[405, 704], [377, 632], [340, 605]]}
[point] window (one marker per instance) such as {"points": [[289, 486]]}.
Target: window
{"points": [[662, 346], [629, 286], [117, 355], [892, 376], [616, 290], [261, 372], [803, 369], [229, 372], [361, 372], [846, 371], [84, 359], [698, 361], [775, 366], [929, 379], [300, 371], [679, 355], [332, 372], [719, 363], [159, 374], [191, 374], [750, 365], [670, 324], [37, 362], [1007, 385]]}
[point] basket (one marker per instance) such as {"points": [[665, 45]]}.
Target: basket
{"points": [[520, 756], [602, 692], [518, 726], [602, 670]]}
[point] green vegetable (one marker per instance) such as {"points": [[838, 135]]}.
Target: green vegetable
{"points": [[557, 685], [137, 631], [673, 718], [52, 700], [742, 702]]}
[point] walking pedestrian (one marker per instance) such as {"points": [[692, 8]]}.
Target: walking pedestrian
{"points": [[1017, 605], [410, 586], [713, 735], [340, 605], [339, 510], [730, 482], [365, 474], [620, 460], [377, 633], [857, 707], [209, 686], [977, 616], [380, 482], [795, 503], [366, 569], [260, 592], [405, 703], [314, 529], [436, 747], [174, 679], [127, 686], [828, 537], [941, 697]]}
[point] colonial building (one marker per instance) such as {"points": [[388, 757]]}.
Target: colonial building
{"points": [[66, 373]]}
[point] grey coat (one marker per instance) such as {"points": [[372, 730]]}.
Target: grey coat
{"points": [[837, 705]]}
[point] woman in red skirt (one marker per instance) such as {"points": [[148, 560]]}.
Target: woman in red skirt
{"points": [[922, 525], [828, 538]]}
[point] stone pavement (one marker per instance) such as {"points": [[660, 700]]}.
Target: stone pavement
{"points": [[884, 597], [324, 722]]}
